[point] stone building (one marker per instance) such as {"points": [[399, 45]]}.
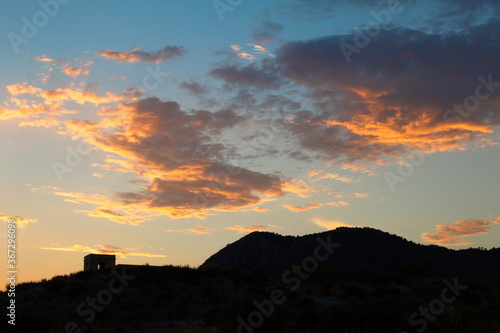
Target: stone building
{"points": [[98, 262]]}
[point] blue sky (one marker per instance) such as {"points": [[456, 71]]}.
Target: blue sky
{"points": [[264, 120]]}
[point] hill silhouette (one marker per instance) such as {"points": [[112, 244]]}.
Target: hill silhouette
{"points": [[373, 282], [359, 248]]}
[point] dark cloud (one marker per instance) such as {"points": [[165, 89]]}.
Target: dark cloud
{"points": [[195, 88], [267, 32], [178, 154], [443, 15], [396, 94], [249, 75]]}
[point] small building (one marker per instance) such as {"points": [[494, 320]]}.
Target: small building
{"points": [[98, 262]]}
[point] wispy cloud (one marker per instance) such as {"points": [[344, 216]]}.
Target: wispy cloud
{"points": [[167, 54], [454, 234], [20, 221], [298, 187], [71, 67], [338, 203], [196, 231], [104, 249], [318, 175], [293, 208], [250, 54], [74, 71], [267, 31]]}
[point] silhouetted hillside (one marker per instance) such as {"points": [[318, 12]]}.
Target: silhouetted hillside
{"points": [[359, 248], [374, 282]]}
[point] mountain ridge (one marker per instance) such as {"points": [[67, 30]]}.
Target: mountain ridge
{"points": [[359, 248]]}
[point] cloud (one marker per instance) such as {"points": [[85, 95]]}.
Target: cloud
{"points": [[318, 175], [445, 15], [256, 51], [20, 221], [298, 187], [267, 32], [173, 152], [71, 67], [329, 224], [293, 208], [196, 231], [245, 55], [115, 210], [453, 234], [104, 249], [195, 88], [248, 75], [81, 96], [43, 58], [74, 71], [37, 107], [167, 54], [497, 221], [338, 203], [23, 88], [371, 112], [241, 229], [263, 209]]}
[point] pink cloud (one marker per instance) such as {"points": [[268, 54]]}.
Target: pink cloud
{"points": [[453, 234]]}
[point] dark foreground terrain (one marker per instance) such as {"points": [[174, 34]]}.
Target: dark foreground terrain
{"points": [[300, 288]]}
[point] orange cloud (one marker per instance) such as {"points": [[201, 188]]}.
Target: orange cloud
{"points": [[80, 96], [497, 220], [338, 203], [241, 229], [104, 249], [318, 175], [74, 71], [71, 67], [115, 210], [169, 150], [20, 221], [165, 55], [22, 88], [43, 58], [298, 187], [293, 208], [453, 234], [329, 224], [260, 209]]}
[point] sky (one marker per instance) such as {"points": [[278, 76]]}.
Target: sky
{"points": [[161, 131]]}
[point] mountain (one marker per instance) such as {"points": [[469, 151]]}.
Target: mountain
{"points": [[372, 282], [358, 248]]}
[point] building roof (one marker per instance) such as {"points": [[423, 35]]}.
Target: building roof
{"points": [[100, 255]]}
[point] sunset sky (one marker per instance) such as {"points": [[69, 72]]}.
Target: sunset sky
{"points": [[160, 131]]}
